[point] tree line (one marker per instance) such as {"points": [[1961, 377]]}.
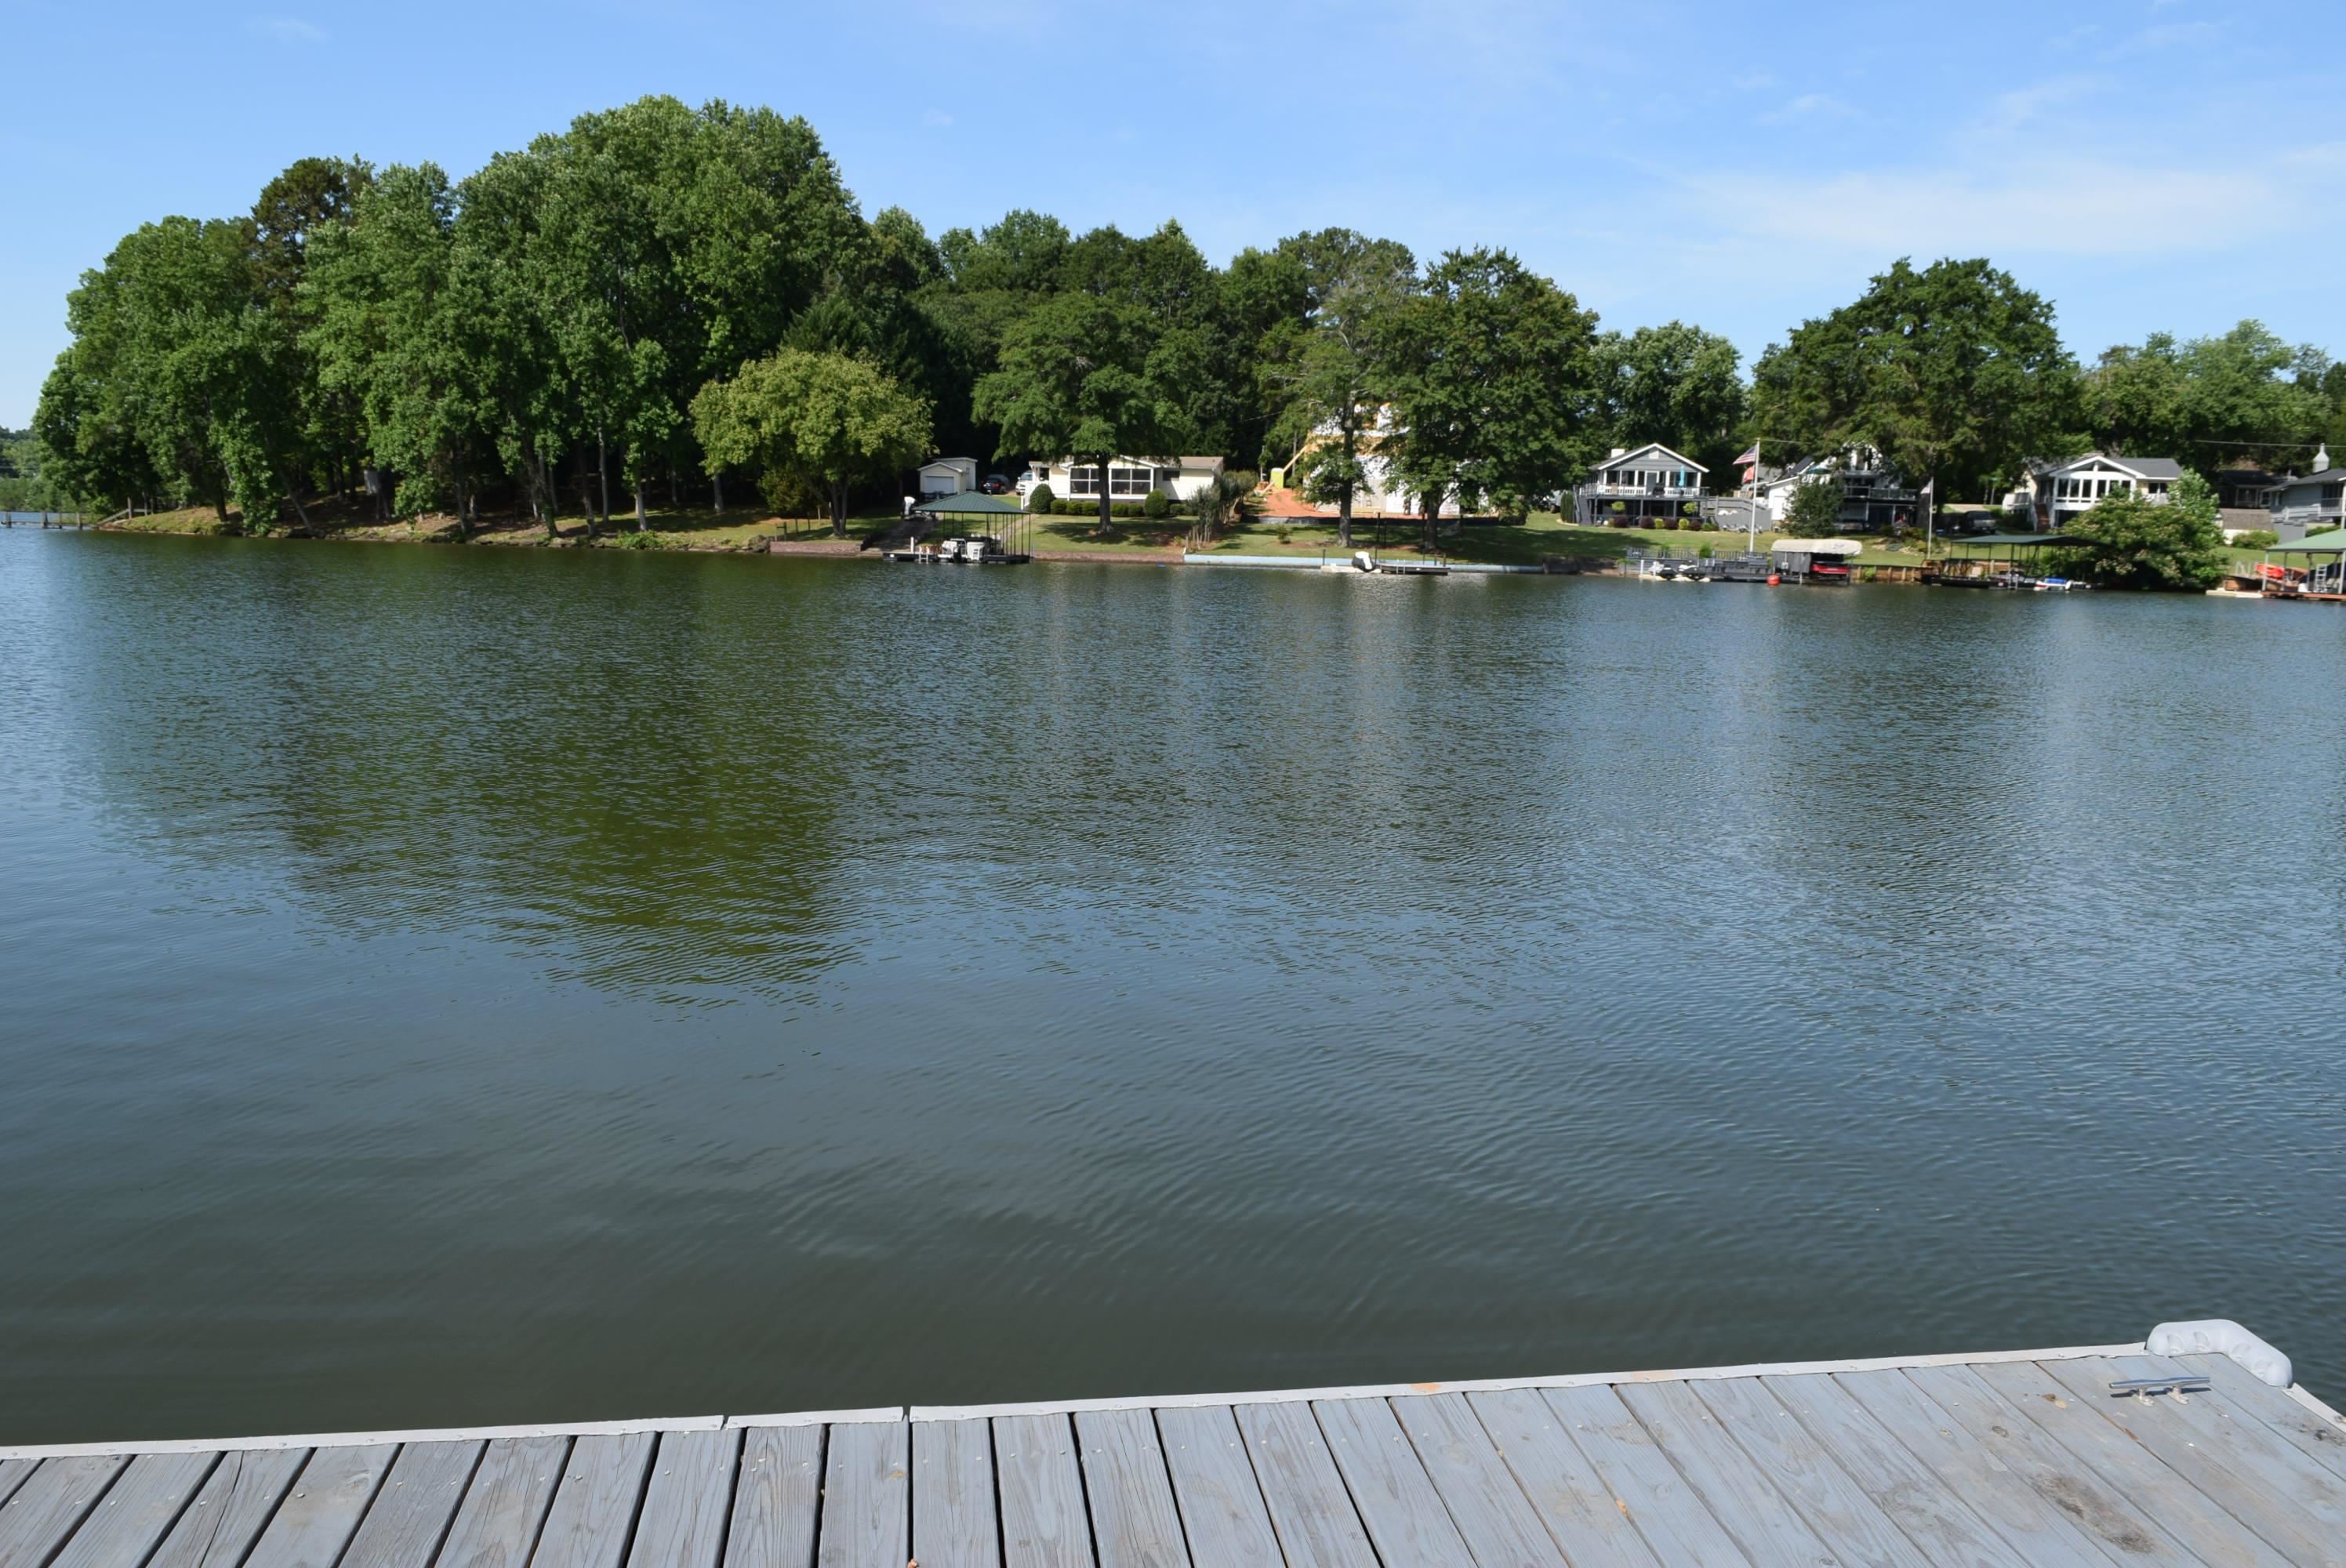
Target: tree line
{"points": [[661, 302]]}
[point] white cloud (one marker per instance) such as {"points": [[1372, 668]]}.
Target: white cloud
{"points": [[285, 29], [1811, 107], [2017, 107], [2167, 36], [2074, 207]]}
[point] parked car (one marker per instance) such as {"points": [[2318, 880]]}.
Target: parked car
{"points": [[995, 485]]}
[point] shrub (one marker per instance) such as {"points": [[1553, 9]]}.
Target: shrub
{"points": [[1702, 552], [1156, 503], [1042, 498], [2256, 539]]}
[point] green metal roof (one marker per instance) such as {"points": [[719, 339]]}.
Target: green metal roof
{"points": [[969, 503], [2332, 542]]}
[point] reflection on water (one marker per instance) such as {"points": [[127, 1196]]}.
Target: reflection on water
{"points": [[457, 986]]}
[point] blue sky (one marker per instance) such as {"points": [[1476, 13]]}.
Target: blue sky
{"points": [[2149, 164]]}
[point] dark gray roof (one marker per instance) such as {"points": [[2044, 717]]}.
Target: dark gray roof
{"points": [[2149, 467], [2329, 475]]}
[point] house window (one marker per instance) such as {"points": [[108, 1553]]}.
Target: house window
{"points": [[2158, 487], [1083, 481], [1123, 480]]}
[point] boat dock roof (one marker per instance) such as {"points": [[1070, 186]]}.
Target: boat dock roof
{"points": [[2014, 1458]]}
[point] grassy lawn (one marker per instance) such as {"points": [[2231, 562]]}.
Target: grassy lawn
{"points": [[682, 529], [1540, 537]]}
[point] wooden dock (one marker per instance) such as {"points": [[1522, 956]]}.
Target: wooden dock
{"points": [[2019, 1459]]}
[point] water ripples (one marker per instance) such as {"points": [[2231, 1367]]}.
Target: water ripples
{"points": [[732, 983]]}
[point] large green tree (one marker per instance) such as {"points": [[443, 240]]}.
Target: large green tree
{"points": [[1495, 386], [1075, 379], [179, 374], [1952, 372], [1674, 383], [2130, 540], [1331, 374], [830, 421], [2244, 397]]}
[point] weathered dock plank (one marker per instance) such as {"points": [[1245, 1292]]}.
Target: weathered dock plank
{"points": [[414, 1506], [1497, 1521], [2049, 1469], [685, 1501], [1581, 1514], [776, 1498], [1649, 1487], [2235, 1461], [595, 1506], [314, 1523], [1214, 1486], [1406, 1521], [1135, 1522], [1310, 1511], [1823, 1493], [505, 1507], [2042, 1533], [952, 1493], [49, 1506], [2318, 1435], [2187, 1515], [138, 1511], [1738, 1492], [231, 1509], [867, 1504], [1909, 1492], [1041, 1484]]}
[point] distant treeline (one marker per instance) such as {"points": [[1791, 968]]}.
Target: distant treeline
{"points": [[660, 298]]}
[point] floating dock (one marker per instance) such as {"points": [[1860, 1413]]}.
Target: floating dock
{"points": [[2022, 1459]]}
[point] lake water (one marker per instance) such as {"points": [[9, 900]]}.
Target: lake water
{"points": [[462, 986]]}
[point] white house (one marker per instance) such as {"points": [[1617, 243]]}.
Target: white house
{"points": [[1872, 494], [947, 476], [2057, 493], [2314, 503], [1635, 483], [1380, 491], [1128, 478]]}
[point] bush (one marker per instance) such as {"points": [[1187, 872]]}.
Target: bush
{"points": [[1156, 503], [1702, 552], [2256, 539], [1042, 498]]}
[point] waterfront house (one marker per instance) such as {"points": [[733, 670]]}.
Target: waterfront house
{"points": [[2055, 492], [1874, 496], [947, 476], [2313, 503], [1638, 484], [1128, 478]]}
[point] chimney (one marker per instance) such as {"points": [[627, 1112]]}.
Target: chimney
{"points": [[2322, 459]]}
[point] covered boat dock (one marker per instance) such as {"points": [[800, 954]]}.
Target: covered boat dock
{"points": [[2317, 571], [1994, 560], [970, 514]]}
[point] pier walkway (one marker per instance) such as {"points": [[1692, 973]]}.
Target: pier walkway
{"points": [[2023, 1458]]}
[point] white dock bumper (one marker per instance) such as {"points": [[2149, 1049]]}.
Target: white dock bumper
{"points": [[2213, 1336]]}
